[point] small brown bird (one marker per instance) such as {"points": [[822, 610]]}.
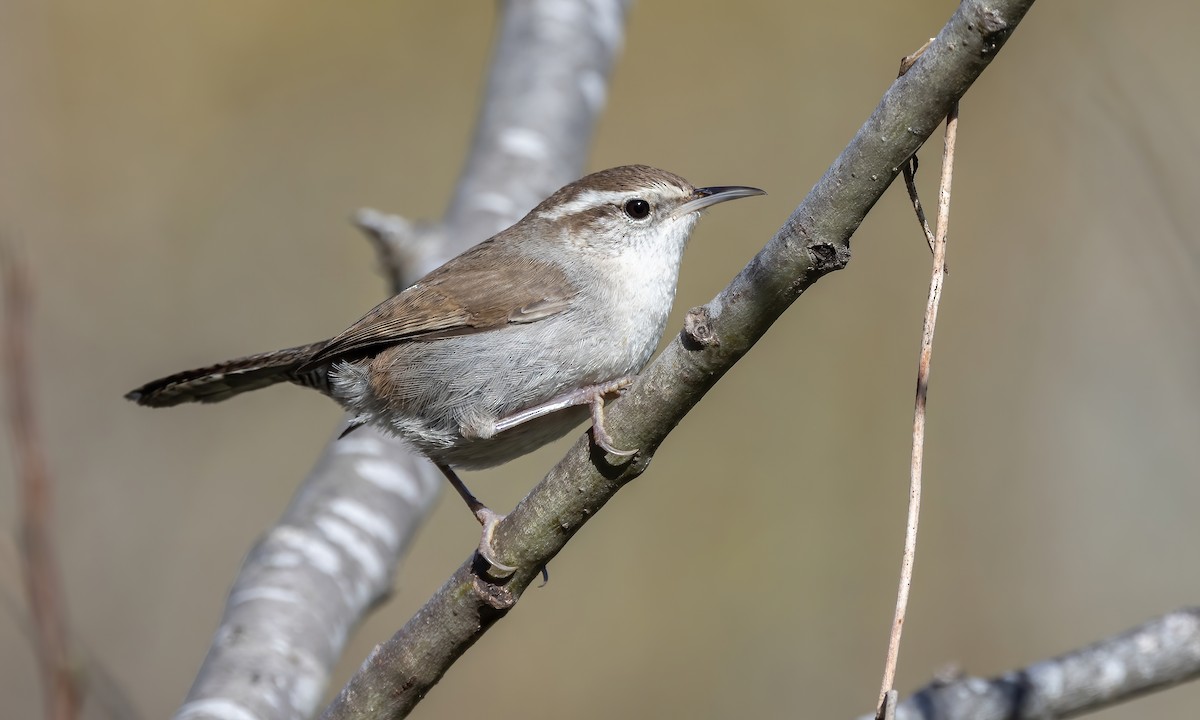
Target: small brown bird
{"points": [[509, 345]]}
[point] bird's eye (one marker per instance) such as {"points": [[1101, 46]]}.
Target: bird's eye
{"points": [[637, 208]]}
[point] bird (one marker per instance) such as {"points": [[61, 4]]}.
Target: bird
{"points": [[507, 346]]}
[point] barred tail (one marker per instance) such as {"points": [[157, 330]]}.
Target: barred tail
{"points": [[224, 380]]}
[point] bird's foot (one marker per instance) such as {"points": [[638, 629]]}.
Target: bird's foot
{"points": [[489, 520], [486, 517], [596, 401]]}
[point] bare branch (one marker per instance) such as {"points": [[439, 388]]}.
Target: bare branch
{"points": [[813, 242], [1162, 653], [285, 624], [60, 685], [398, 244]]}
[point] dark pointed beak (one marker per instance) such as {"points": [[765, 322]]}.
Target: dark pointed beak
{"points": [[709, 196]]}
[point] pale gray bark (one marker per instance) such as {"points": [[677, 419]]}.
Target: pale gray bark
{"points": [[1154, 656], [332, 555], [813, 242]]}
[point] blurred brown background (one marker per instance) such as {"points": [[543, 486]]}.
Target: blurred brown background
{"points": [[180, 176]]}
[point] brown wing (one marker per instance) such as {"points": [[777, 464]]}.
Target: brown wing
{"points": [[483, 289]]}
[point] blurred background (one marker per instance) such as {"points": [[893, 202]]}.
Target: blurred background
{"points": [[180, 175]]}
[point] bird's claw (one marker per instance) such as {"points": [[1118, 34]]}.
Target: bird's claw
{"points": [[599, 435], [489, 520]]}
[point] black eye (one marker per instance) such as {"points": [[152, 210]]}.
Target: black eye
{"points": [[637, 208]]}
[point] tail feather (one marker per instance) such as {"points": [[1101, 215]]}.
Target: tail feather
{"points": [[224, 380]]}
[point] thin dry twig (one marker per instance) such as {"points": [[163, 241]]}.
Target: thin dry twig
{"points": [[910, 166], [910, 184], [936, 279], [40, 567], [908, 61]]}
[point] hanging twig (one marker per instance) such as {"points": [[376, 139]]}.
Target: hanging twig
{"points": [[910, 184], [936, 279], [910, 165]]}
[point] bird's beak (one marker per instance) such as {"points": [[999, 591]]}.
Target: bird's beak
{"points": [[708, 196]]}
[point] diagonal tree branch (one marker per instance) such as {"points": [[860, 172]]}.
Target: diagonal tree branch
{"points": [[330, 558], [813, 242], [1157, 655]]}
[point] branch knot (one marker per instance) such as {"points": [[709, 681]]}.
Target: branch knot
{"points": [[827, 257], [698, 332]]}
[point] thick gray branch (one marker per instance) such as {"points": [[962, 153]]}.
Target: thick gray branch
{"points": [[1157, 655], [814, 241], [331, 556]]}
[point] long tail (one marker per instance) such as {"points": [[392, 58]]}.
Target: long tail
{"points": [[224, 380]]}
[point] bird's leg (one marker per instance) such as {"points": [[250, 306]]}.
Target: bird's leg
{"points": [[486, 517], [590, 395], [599, 433]]}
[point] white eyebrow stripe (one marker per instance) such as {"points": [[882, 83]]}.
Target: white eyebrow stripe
{"points": [[586, 199]]}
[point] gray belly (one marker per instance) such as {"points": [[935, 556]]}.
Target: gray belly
{"points": [[445, 396], [474, 453]]}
